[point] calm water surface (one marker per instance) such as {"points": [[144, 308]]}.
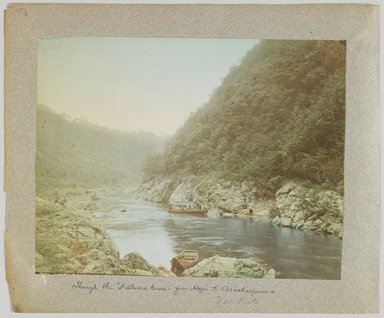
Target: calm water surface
{"points": [[149, 229]]}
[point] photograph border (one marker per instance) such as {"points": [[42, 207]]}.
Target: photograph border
{"points": [[356, 292]]}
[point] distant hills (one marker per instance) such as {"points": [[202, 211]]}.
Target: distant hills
{"points": [[75, 153], [278, 116]]}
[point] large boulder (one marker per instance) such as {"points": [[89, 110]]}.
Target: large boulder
{"points": [[214, 212], [300, 207], [218, 266], [157, 190], [136, 261], [287, 222], [182, 192]]}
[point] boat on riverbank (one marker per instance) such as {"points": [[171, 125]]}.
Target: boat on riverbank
{"points": [[186, 259], [185, 207]]}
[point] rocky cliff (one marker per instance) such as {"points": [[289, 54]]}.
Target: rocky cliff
{"points": [[300, 207]]}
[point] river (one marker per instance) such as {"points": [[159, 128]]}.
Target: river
{"points": [[146, 227]]}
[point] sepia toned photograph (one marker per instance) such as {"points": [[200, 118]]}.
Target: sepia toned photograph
{"points": [[190, 157]]}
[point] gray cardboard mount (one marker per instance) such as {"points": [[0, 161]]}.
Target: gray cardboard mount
{"points": [[355, 292]]}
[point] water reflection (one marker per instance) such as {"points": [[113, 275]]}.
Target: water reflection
{"points": [[158, 235]]}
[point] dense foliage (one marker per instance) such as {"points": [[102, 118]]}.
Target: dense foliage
{"points": [[278, 115], [72, 153]]}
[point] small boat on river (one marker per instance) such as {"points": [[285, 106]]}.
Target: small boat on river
{"points": [[186, 259], [185, 207]]}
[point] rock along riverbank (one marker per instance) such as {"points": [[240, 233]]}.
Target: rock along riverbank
{"points": [[218, 266], [70, 240], [294, 205]]}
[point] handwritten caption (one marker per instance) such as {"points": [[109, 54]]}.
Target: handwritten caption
{"points": [[222, 294]]}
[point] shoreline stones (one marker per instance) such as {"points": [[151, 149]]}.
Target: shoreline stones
{"points": [[226, 267]]}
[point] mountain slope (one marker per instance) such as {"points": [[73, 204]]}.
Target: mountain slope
{"points": [[279, 115], [72, 153]]}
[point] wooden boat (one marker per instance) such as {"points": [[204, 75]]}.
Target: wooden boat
{"points": [[186, 259], [185, 207]]}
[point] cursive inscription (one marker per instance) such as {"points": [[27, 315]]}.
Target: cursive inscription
{"points": [[219, 294], [236, 301], [243, 290], [128, 286], [89, 288]]}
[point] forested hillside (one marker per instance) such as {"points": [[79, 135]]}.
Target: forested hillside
{"points": [[278, 116], [71, 153]]}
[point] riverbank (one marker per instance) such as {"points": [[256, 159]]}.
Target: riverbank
{"points": [[294, 206], [70, 240], [91, 231]]}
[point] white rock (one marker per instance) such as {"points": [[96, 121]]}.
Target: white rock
{"points": [[286, 222]]}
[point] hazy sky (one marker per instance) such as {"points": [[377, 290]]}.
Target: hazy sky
{"points": [[133, 83]]}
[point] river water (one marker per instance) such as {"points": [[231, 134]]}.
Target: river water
{"points": [[149, 229]]}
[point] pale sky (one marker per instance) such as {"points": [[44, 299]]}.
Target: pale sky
{"points": [[133, 83]]}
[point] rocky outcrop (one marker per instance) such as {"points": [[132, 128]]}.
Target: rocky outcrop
{"points": [[300, 207], [218, 266], [217, 196], [157, 190], [75, 199], [70, 240], [295, 206], [135, 264]]}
